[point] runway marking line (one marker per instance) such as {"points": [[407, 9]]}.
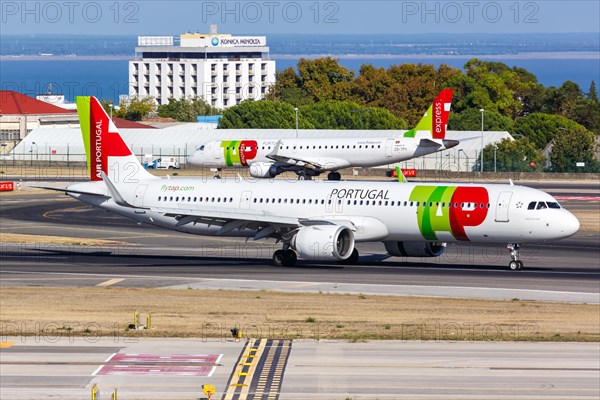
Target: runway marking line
{"points": [[6, 345], [110, 282]]}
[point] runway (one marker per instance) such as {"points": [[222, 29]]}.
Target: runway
{"points": [[44, 368], [146, 256]]}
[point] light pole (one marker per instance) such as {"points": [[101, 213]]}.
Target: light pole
{"points": [[482, 111], [495, 148], [296, 109], [467, 158]]}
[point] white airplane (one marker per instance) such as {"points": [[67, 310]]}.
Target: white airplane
{"points": [[315, 220], [268, 158]]}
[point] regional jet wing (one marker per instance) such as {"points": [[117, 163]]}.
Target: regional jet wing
{"points": [[317, 164]]}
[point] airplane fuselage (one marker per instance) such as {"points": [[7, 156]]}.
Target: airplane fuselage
{"points": [[376, 211], [330, 153]]}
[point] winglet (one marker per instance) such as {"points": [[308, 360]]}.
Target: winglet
{"points": [[400, 175], [434, 122]]}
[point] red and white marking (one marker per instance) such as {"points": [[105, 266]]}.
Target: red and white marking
{"points": [[159, 364], [580, 198]]}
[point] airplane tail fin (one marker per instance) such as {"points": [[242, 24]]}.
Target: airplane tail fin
{"points": [[434, 122], [105, 149]]}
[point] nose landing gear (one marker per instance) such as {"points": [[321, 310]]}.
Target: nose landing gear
{"points": [[515, 264]]}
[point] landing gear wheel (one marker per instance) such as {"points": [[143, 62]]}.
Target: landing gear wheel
{"points": [[334, 176], [514, 265], [278, 258], [303, 176], [352, 260], [289, 258]]}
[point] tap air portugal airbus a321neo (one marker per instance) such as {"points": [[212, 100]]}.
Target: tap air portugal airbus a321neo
{"points": [[315, 220], [268, 158]]}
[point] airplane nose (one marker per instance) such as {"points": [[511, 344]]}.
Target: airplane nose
{"points": [[448, 143], [570, 225], [191, 159]]}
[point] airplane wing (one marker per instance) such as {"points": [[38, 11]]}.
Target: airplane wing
{"points": [[265, 224], [67, 190], [320, 164]]}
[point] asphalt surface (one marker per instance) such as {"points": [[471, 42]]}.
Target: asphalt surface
{"points": [[146, 256], [45, 368]]}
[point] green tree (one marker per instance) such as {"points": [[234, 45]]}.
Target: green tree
{"points": [[186, 110], [348, 115], [288, 89], [325, 79], [513, 155], [593, 93], [572, 146], [470, 120], [541, 128], [135, 109], [262, 114]]}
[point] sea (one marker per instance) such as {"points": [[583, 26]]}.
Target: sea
{"points": [[25, 69]]}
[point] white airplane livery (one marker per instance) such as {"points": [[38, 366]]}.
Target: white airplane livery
{"points": [[268, 158], [315, 220]]}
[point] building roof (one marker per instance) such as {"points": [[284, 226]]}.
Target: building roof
{"points": [[126, 124], [15, 103]]}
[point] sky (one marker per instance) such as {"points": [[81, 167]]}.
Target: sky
{"points": [[304, 17]]}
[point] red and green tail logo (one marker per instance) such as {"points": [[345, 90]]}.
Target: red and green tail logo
{"points": [[100, 136], [434, 122]]}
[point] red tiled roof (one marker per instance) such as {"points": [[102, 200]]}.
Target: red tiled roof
{"points": [[126, 124], [15, 103]]}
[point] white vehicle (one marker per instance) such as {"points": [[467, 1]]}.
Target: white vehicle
{"points": [[268, 158], [164, 163], [315, 220]]}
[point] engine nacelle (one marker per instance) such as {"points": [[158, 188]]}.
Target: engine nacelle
{"points": [[324, 242], [415, 249], [263, 170]]}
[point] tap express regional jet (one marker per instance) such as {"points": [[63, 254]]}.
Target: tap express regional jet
{"points": [[315, 220], [268, 158]]}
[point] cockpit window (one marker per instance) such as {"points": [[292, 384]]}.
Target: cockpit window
{"points": [[531, 205], [201, 148], [553, 204], [541, 205]]}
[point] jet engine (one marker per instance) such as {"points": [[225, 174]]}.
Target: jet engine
{"points": [[324, 242], [264, 170], [415, 249]]}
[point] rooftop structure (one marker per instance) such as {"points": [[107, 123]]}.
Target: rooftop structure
{"points": [[220, 68]]}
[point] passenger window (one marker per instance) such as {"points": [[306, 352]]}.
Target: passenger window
{"points": [[531, 205]]}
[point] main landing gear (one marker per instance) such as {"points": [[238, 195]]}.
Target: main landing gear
{"points": [[285, 258], [515, 264], [334, 176]]}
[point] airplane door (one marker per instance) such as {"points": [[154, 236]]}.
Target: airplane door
{"points": [[502, 206], [389, 145], [139, 195], [245, 199], [217, 150]]}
